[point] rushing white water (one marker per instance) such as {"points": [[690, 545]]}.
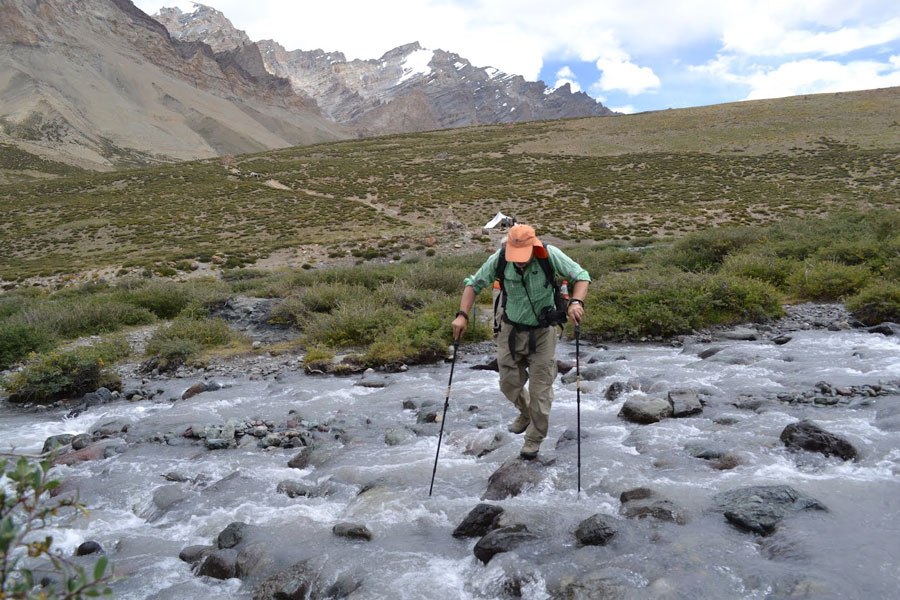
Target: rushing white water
{"points": [[848, 552]]}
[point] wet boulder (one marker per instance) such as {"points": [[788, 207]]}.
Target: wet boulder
{"points": [[96, 451], [481, 442], [596, 530], [488, 366], [101, 396], [315, 455], [192, 555], [294, 489], [709, 352], [353, 531], [885, 329], [641, 503], [301, 581], [645, 410], [615, 390], [219, 564], [255, 559], [805, 435], [82, 441], [514, 476], [57, 441], [199, 388], [761, 508], [89, 547], [502, 540], [236, 533], [478, 522], [740, 334], [685, 403], [590, 372]]}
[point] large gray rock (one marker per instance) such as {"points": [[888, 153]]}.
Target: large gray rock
{"points": [[57, 441], [645, 410], [353, 531], [641, 503], [590, 372], [514, 476], [220, 564], [805, 435], [685, 403], [501, 540], [596, 530], [478, 522], [761, 508], [615, 390]]}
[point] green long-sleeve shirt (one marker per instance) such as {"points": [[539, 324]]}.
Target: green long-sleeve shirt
{"points": [[524, 302]]}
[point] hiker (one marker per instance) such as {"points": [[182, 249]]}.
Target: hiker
{"points": [[526, 346]]}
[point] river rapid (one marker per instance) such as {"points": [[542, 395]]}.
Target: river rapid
{"points": [[751, 391]]}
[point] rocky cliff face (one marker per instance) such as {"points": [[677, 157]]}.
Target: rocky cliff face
{"points": [[103, 84], [410, 88]]}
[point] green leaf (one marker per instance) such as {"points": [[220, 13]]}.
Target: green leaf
{"points": [[100, 567]]}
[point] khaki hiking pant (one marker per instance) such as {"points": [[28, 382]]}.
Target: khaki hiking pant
{"points": [[538, 367]]}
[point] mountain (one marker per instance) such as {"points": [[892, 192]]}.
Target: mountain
{"points": [[100, 84], [409, 88]]}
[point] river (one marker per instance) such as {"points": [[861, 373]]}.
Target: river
{"points": [[850, 551]]}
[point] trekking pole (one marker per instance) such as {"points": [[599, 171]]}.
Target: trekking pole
{"points": [[444, 417], [578, 396]]}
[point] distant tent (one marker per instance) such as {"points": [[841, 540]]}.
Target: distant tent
{"points": [[500, 220]]}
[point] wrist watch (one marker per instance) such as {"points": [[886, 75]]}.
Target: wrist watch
{"points": [[576, 301]]}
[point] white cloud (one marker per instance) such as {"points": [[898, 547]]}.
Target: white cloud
{"points": [[895, 60], [818, 76], [763, 38], [627, 109], [619, 73]]}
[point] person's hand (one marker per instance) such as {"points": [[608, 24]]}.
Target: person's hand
{"points": [[460, 324], [576, 312]]}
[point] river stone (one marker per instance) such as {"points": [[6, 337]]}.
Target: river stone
{"points": [[569, 437], [101, 396], [254, 559], [488, 366], [685, 402], [514, 476], [781, 340], [298, 582], [293, 489], [194, 554], [89, 547], [396, 436], [885, 329], [216, 444], [501, 540], [220, 564], [82, 441], [313, 456], [643, 502], [596, 530], [615, 390], [233, 535], [56, 441], [197, 388], [710, 352], [353, 531], [591, 373], [739, 334], [96, 451], [483, 442], [478, 522], [166, 497], [645, 410], [345, 585], [760, 508], [805, 435]]}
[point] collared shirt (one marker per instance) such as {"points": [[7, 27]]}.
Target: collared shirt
{"points": [[527, 292]]}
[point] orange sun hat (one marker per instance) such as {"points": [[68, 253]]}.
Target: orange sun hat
{"points": [[521, 242]]}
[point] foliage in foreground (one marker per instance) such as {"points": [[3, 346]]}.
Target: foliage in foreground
{"points": [[27, 509], [184, 339]]}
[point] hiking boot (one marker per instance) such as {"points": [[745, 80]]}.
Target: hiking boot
{"points": [[520, 424], [529, 450]]}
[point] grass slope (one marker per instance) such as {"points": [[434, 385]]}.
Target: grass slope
{"points": [[651, 174]]}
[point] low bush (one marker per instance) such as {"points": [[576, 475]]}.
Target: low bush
{"points": [[876, 303], [356, 323], [763, 267], [318, 357], [18, 340], [70, 318], [166, 299], [67, 374], [828, 280], [184, 339], [659, 303], [705, 250]]}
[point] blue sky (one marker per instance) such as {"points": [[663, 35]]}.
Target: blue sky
{"points": [[632, 55]]}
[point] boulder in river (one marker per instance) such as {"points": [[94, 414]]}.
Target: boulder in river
{"points": [[805, 435], [57, 441], [478, 522], [89, 547], [760, 508], [645, 410], [514, 476], [590, 372], [353, 531], [685, 402], [219, 564], [641, 503], [596, 530], [616, 389], [501, 540], [303, 580]]}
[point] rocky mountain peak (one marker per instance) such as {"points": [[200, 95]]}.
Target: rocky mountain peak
{"points": [[203, 24]]}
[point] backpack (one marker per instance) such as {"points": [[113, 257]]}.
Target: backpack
{"points": [[561, 305]]}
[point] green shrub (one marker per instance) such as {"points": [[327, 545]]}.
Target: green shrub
{"points": [[356, 323], [705, 250], [828, 280], [318, 357], [166, 299], [67, 374], [876, 303], [764, 267], [869, 252], [206, 333], [661, 303], [18, 340], [71, 318]]}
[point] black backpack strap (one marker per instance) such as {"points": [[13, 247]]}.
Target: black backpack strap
{"points": [[501, 269]]}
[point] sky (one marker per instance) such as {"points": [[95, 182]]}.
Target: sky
{"points": [[631, 55]]}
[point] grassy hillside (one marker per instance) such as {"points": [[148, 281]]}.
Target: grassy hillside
{"points": [[644, 175]]}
